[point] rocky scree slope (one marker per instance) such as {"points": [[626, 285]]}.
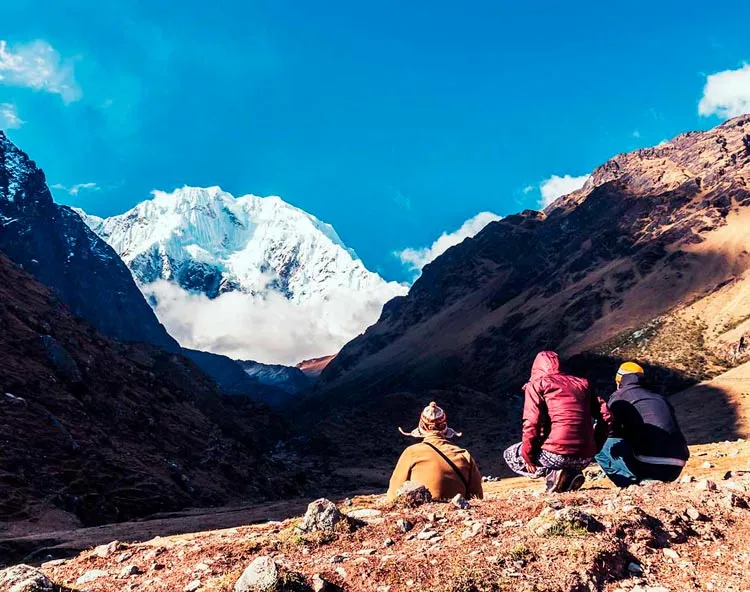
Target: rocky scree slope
{"points": [[94, 431], [655, 538], [53, 244], [652, 232]]}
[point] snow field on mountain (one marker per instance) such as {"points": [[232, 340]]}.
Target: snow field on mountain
{"points": [[249, 277]]}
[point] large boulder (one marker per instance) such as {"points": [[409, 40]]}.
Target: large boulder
{"points": [[262, 575], [24, 578], [322, 515], [412, 494]]}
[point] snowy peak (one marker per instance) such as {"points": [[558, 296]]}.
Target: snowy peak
{"points": [[291, 288], [207, 241]]}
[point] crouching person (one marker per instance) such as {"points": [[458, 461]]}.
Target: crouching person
{"points": [[559, 438], [440, 465], [646, 442]]}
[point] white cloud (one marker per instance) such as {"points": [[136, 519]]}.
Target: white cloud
{"points": [[77, 188], [557, 186], [9, 118], [636, 134], [267, 328], [37, 65], [416, 259], [726, 94]]}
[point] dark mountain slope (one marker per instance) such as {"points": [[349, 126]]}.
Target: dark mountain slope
{"points": [[651, 232], [58, 249], [97, 431]]}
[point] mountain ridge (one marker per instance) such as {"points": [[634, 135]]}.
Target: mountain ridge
{"points": [[194, 246]]}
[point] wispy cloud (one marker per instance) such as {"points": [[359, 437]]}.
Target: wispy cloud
{"points": [[416, 259], [726, 94], [37, 65], [77, 188], [557, 186], [9, 118]]}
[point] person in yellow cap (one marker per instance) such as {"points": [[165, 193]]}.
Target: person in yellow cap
{"points": [[646, 442]]}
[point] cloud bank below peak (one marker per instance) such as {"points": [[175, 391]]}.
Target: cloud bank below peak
{"points": [[417, 258]]}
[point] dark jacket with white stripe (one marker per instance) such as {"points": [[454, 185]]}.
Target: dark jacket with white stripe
{"points": [[647, 422]]}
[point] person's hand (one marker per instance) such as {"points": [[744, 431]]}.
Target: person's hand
{"points": [[526, 456]]}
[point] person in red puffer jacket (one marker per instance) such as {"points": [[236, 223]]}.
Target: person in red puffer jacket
{"points": [[559, 437]]}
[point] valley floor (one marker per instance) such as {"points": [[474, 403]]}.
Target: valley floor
{"points": [[683, 536]]}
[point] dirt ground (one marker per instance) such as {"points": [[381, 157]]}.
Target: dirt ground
{"points": [[682, 536]]}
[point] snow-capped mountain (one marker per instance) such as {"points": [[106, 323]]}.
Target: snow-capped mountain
{"points": [[288, 266]]}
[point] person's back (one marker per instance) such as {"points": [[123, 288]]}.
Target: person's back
{"points": [[423, 464], [568, 402], [443, 467], [558, 438], [646, 440], [647, 421]]}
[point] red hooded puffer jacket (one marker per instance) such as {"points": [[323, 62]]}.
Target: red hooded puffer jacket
{"points": [[559, 410]]}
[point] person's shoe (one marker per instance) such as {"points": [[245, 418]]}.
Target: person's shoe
{"points": [[576, 482], [555, 480]]}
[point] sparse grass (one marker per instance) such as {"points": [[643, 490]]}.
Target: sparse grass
{"points": [[291, 536], [565, 528], [467, 578], [520, 553]]}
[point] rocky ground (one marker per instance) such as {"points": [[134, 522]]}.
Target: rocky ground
{"points": [[690, 535]]}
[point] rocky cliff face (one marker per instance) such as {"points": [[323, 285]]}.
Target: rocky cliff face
{"points": [[53, 244], [651, 232]]}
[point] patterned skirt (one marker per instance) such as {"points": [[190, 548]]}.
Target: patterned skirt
{"points": [[545, 462]]}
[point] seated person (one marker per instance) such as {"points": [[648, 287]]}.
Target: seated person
{"points": [[646, 441], [443, 467], [558, 426]]}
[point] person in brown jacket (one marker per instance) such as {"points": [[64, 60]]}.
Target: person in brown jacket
{"points": [[443, 467]]}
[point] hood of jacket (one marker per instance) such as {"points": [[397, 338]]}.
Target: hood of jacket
{"points": [[546, 363]]}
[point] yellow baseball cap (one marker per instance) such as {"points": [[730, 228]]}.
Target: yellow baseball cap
{"points": [[628, 368]]}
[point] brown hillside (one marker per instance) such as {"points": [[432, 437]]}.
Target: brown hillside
{"points": [[93, 431], [650, 260]]}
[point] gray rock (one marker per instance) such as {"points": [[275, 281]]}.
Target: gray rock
{"points": [[262, 575], [706, 485], [635, 569], [130, 570], [404, 525], [104, 551], [90, 576], [320, 584], [412, 494], [192, 586], [692, 513], [736, 501], [321, 515], [364, 514], [460, 502], [24, 578]]}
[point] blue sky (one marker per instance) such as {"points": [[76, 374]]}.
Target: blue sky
{"points": [[394, 121]]}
